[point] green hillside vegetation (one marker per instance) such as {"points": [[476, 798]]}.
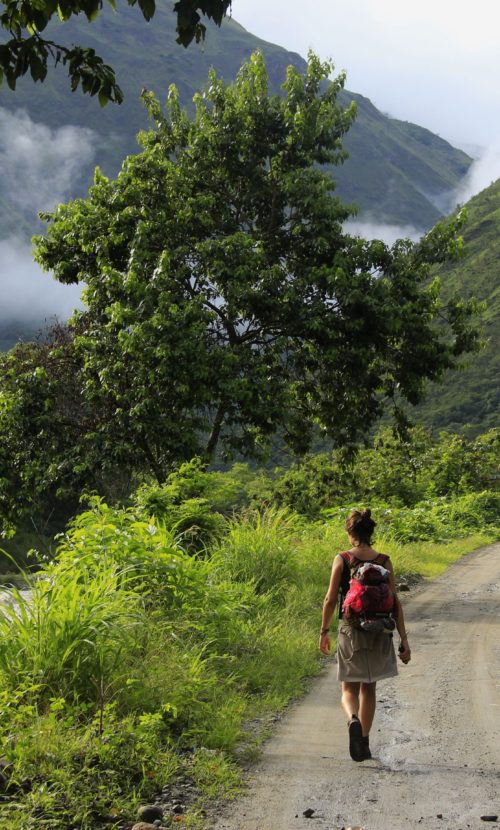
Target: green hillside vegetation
{"points": [[472, 396], [10, 332], [396, 170]]}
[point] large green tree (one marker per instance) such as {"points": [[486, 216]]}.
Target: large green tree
{"points": [[224, 299], [26, 49]]}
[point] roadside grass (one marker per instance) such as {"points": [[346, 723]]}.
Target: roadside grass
{"points": [[133, 661], [430, 559]]}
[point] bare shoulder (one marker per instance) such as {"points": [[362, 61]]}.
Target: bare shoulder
{"points": [[338, 561]]}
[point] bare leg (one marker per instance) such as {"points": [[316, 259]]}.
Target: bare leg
{"points": [[367, 703], [350, 698]]}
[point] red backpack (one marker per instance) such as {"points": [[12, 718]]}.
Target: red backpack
{"points": [[367, 600]]}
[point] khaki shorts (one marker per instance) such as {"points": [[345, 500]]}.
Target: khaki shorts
{"points": [[364, 656]]}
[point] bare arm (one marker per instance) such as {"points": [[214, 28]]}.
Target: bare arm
{"points": [[329, 604], [405, 654]]}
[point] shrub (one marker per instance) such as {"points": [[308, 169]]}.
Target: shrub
{"points": [[180, 505], [157, 565], [314, 484]]}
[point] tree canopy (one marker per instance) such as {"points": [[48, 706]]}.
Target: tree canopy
{"points": [[224, 299], [26, 50]]}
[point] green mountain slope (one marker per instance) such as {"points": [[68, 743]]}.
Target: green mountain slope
{"points": [[472, 396], [396, 171]]}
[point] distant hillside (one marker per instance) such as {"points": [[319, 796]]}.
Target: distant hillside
{"points": [[14, 330], [397, 172], [472, 396]]}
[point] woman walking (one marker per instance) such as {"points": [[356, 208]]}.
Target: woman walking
{"points": [[364, 656]]}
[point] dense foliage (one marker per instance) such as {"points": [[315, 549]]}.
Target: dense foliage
{"points": [[225, 301], [400, 471], [45, 466], [48, 452]]}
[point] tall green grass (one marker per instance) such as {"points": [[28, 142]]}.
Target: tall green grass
{"points": [[67, 632], [258, 548]]}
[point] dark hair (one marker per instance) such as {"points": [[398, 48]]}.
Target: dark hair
{"points": [[360, 525]]}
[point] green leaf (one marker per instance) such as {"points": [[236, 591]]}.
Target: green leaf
{"points": [[148, 8]]}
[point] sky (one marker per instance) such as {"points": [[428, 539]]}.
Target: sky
{"points": [[433, 62]]}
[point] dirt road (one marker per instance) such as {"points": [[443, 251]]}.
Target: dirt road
{"points": [[436, 737]]}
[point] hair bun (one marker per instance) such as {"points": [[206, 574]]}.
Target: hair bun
{"points": [[360, 525]]}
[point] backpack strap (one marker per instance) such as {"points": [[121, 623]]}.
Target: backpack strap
{"points": [[349, 559], [354, 562], [345, 580]]}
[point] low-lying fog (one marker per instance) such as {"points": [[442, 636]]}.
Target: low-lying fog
{"points": [[38, 169]]}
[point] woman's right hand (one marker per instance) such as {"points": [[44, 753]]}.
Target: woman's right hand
{"points": [[324, 643], [404, 654]]}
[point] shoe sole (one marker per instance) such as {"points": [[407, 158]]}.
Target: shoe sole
{"points": [[356, 746]]}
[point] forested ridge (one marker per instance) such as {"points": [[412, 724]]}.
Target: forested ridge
{"points": [[396, 170], [472, 396]]}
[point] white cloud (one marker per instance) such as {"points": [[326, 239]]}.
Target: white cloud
{"points": [[482, 173], [378, 230], [26, 292], [39, 165], [38, 169]]}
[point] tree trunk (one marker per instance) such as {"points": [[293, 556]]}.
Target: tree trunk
{"points": [[156, 468], [216, 428]]}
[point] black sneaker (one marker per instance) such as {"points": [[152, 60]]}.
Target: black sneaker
{"points": [[356, 746]]}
